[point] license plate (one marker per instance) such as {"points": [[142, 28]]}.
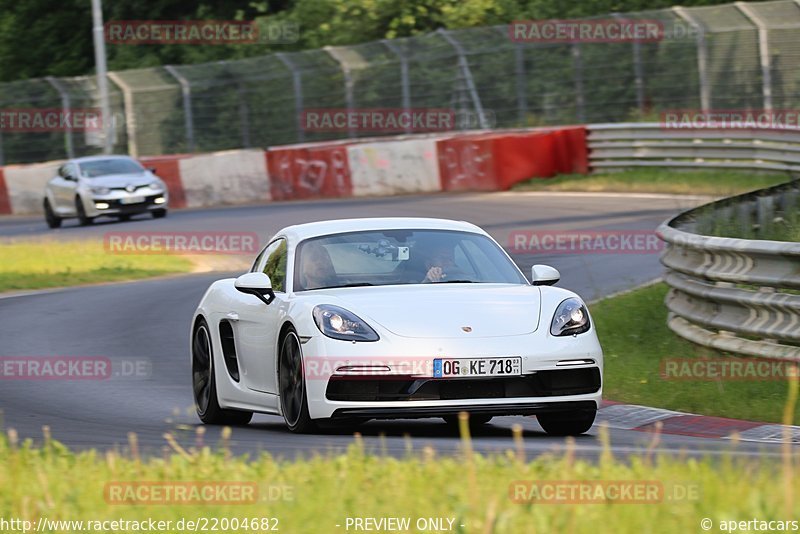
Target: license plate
{"points": [[132, 200], [466, 367]]}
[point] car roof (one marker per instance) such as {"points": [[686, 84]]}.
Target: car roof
{"points": [[300, 232], [98, 158]]}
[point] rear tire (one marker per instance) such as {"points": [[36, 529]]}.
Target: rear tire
{"points": [[124, 218], [82, 218], [159, 214], [292, 385], [52, 220], [204, 384], [567, 423]]}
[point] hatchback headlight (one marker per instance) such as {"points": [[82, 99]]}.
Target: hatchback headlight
{"points": [[571, 318], [99, 190], [156, 186], [338, 323]]}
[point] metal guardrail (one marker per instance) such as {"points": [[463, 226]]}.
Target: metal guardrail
{"points": [[626, 145], [730, 293]]}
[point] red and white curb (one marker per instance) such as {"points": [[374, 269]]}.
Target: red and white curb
{"points": [[644, 419]]}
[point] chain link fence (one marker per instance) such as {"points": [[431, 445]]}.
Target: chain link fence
{"points": [[734, 56]]}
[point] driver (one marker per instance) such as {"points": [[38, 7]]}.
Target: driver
{"points": [[316, 270], [441, 265]]}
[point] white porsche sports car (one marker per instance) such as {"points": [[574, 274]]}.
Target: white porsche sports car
{"points": [[339, 322]]}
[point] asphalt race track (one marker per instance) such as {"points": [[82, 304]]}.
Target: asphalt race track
{"points": [[149, 321]]}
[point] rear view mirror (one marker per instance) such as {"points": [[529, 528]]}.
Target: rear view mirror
{"points": [[257, 284], [544, 275]]}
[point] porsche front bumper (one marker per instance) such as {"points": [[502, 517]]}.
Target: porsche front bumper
{"points": [[378, 380]]}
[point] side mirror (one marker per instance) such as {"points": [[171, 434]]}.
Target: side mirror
{"points": [[544, 275], [152, 169], [257, 284]]}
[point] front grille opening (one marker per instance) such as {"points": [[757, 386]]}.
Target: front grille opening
{"points": [[551, 383]]}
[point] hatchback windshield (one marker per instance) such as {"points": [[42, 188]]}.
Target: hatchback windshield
{"points": [[401, 257], [103, 167]]}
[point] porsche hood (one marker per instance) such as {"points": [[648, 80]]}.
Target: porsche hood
{"points": [[447, 311]]}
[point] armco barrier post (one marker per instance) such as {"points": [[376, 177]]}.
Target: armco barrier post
{"points": [[763, 51], [405, 88], [580, 102], [702, 56], [467, 73], [65, 107], [186, 93], [348, 83], [297, 86]]}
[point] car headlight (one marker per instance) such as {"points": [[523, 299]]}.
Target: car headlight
{"points": [[571, 318], [157, 186], [338, 323], [99, 190]]}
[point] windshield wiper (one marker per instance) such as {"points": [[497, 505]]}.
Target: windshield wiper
{"points": [[354, 284], [454, 282]]}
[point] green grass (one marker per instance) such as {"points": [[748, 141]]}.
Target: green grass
{"points": [[658, 180], [55, 483], [45, 264], [783, 228], [633, 332]]}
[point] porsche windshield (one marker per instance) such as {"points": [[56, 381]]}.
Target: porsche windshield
{"points": [[401, 257], [105, 167]]}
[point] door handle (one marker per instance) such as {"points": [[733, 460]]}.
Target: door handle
{"points": [[233, 316]]}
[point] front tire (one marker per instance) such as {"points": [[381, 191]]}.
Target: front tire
{"points": [[204, 384], [52, 220], [292, 384], [567, 423], [82, 217]]}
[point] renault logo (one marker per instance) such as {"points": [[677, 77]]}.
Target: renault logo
{"points": [[466, 329], [130, 188]]}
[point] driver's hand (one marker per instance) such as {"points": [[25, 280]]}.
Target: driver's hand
{"points": [[435, 274]]}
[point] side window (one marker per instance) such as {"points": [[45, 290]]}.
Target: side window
{"points": [[275, 264], [256, 263]]}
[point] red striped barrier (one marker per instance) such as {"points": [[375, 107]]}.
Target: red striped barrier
{"points": [[489, 162], [5, 201], [461, 162], [310, 171], [167, 168]]}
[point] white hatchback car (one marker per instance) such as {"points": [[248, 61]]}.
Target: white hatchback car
{"points": [[96, 186], [349, 320]]}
